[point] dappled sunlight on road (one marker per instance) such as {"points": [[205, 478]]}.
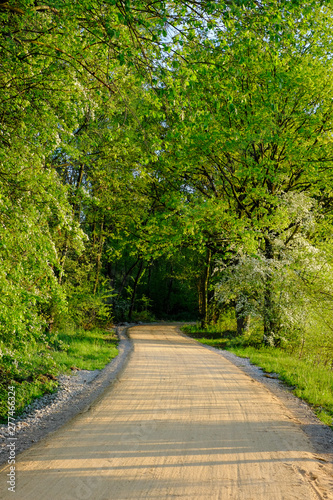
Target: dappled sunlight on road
{"points": [[182, 422]]}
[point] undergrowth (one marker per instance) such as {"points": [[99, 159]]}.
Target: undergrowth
{"points": [[35, 369]]}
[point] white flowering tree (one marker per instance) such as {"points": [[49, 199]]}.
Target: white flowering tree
{"points": [[284, 289], [250, 134]]}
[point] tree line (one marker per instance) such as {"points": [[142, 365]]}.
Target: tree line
{"points": [[166, 160]]}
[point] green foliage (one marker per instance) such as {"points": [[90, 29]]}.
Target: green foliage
{"points": [[29, 257], [255, 160], [31, 370], [166, 161], [88, 309], [225, 326], [34, 371], [312, 383], [85, 349], [143, 317]]}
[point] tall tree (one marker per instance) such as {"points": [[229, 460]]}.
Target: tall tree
{"points": [[253, 113]]}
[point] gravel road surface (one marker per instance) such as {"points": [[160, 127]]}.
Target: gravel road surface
{"points": [[181, 422]]}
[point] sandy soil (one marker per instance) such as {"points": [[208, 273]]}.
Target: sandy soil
{"points": [[182, 422]]}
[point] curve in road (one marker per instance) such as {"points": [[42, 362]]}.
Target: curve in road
{"points": [[182, 422]]}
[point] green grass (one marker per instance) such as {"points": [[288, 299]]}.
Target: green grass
{"points": [[36, 368], [87, 350], [313, 383], [310, 382]]}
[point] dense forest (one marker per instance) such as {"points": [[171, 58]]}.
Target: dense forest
{"points": [[166, 160]]}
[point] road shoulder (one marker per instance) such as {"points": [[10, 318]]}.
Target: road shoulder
{"points": [[319, 434], [42, 422]]}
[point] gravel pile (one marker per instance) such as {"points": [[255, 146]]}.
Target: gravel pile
{"points": [[75, 394]]}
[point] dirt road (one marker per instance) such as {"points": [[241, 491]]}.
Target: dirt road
{"points": [[182, 422]]}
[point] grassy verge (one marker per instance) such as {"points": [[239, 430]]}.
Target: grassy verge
{"points": [[312, 383], [86, 350], [36, 369]]}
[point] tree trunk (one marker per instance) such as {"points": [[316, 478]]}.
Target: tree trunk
{"points": [[134, 290], [200, 298], [99, 258], [243, 323], [203, 290], [168, 297], [215, 312], [242, 318], [77, 206], [270, 319], [124, 280], [63, 260]]}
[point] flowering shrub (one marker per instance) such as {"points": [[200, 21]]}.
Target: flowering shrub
{"points": [[297, 276]]}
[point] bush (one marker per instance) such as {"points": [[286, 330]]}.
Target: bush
{"points": [[143, 316]]}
